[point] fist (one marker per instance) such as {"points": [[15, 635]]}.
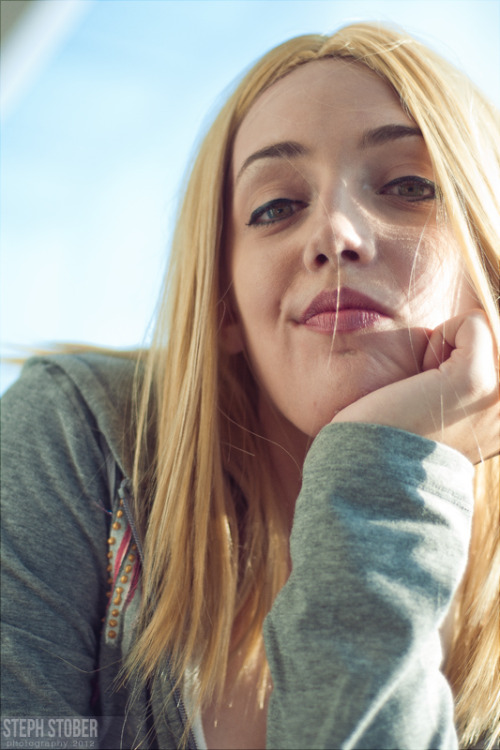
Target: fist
{"points": [[454, 400]]}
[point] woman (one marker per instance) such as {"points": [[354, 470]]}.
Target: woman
{"points": [[323, 363]]}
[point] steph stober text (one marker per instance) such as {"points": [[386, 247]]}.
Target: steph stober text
{"points": [[42, 727]]}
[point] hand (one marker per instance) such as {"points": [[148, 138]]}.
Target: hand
{"points": [[454, 400]]}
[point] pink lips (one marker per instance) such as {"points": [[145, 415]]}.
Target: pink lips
{"points": [[343, 311]]}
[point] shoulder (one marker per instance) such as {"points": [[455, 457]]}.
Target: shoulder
{"points": [[62, 394]]}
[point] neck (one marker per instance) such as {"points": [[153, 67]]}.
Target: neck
{"points": [[288, 448]]}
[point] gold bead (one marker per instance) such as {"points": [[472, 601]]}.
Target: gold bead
{"points": [[119, 513], [113, 623], [117, 525], [109, 555], [110, 580], [128, 568], [131, 558], [119, 589], [134, 546], [111, 540], [117, 599], [115, 612], [109, 568], [124, 579], [112, 634]]}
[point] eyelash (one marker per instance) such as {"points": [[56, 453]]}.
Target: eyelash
{"points": [[269, 206], [287, 203], [413, 180]]}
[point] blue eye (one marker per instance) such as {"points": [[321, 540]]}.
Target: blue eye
{"points": [[273, 211], [410, 188]]}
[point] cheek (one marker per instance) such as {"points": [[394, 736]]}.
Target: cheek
{"points": [[260, 278], [437, 284], [250, 295]]}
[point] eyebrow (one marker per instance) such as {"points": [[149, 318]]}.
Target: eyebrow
{"points": [[283, 150], [387, 133], [291, 149]]}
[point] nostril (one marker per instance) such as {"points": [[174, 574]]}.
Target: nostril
{"points": [[349, 255], [321, 259]]}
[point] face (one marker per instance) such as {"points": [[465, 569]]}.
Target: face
{"points": [[338, 264]]}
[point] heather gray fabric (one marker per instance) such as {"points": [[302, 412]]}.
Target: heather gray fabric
{"points": [[378, 546]]}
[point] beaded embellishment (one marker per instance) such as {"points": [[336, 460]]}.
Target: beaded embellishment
{"points": [[123, 570]]}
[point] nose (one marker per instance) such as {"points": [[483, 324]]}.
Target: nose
{"points": [[341, 236]]}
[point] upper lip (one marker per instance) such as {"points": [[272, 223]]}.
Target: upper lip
{"points": [[341, 299]]}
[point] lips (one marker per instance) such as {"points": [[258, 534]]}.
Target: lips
{"points": [[343, 310]]}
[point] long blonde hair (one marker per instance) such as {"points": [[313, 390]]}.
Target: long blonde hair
{"points": [[215, 542]]}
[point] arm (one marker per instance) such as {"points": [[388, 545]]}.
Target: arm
{"points": [[54, 494], [378, 546]]}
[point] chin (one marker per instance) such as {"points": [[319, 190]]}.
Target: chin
{"points": [[311, 417], [308, 404]]}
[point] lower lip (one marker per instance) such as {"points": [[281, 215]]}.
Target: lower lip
{"points": [[344, 320]]}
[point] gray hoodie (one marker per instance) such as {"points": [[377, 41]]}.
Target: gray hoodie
{"points": [[379, 544]]}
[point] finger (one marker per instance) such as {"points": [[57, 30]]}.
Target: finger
{"points": [[437, 351], [469, 333]]}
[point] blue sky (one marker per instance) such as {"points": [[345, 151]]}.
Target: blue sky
{"points": [[104, 101]]}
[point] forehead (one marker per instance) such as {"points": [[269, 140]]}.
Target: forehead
{"points": [[324, 95]]}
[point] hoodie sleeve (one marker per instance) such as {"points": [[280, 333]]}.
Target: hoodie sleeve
{"points": [[378, 546]]}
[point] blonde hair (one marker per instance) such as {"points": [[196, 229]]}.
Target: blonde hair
{"points": [[215, 542]]}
